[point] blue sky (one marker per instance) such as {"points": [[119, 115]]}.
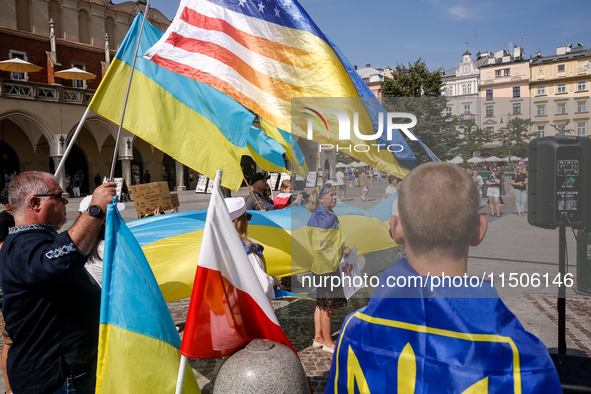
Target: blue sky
{"points": [[383, 33]]}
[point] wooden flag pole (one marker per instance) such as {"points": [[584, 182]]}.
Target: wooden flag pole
{"points": [[251, 193], [137, 48]]}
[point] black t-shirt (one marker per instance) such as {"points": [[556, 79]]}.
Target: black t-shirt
{"points": [[492, 178], [519, 178], [6, 221]]}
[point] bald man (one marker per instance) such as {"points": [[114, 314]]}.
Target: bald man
{"points": [[422, 332]]}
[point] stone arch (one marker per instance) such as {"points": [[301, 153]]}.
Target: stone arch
{"points": [[32, 127], [111, 31], [55, 13], [83, 26], [99, 129]]}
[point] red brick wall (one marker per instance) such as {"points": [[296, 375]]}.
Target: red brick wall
{"points": [[35, 51]]}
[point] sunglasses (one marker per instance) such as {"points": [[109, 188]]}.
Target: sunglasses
{"points": [[60, 196]]}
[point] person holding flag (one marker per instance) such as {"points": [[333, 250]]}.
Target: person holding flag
{"points": [[328, 244]]}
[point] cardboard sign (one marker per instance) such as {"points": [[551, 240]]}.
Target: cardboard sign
{"points": [[201, 184], [349, 269], [311, 179], [149, 196], [209, 186], [174, 199], [272, 181]]}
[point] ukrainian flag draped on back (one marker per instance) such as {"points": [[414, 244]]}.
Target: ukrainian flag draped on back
{"points": [[326, 239], [424, 343], [138, 342], [192, 122]]}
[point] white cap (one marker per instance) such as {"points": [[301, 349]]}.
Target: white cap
{"points": [[236, 206], [85, 203]]}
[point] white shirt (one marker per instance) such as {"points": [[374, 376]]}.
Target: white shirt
{"points": [[340, 178], [390, 190]]}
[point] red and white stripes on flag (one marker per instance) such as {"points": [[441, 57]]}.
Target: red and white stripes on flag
{"points": [[228, 306], [261, 55]]}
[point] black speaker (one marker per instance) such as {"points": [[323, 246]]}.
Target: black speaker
{"points": [[559, 181]]}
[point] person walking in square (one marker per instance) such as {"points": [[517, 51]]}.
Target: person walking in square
{"points": [[519, 183]]}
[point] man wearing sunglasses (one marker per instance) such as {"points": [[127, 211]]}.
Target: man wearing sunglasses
{"points": [[51, 306]]}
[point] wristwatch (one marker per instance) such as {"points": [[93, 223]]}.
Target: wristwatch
{"points": [[96, 212]]}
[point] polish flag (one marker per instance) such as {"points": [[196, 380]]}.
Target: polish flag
{"points": [[281, 200], [228, 306]]}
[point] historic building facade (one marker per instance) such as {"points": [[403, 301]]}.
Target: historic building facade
{"points": [[559, 89], [504, 89], [39, 111]]}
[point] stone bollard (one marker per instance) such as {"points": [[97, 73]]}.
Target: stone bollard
{"points": [[263, 366]]}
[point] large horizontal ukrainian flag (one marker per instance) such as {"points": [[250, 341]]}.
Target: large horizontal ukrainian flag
{"points": [[138, 342], [192, 122], [172, 243]]}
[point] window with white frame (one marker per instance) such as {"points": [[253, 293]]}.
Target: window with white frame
{"points": [[561, 87], [498, 73], [463, 89], [469, 88], [490, 129], [467, 109], [516, 108], [541, 131], [560, 108], [507, 72], [581, 85], [451, 91], [581, 129], [490, 111], [541, 110], [561, 68], [581, 106], [18, 55], [448, 111], [78, 83], [541, 90]]}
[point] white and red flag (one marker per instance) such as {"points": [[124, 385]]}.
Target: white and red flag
{"points": [[228, 306]]}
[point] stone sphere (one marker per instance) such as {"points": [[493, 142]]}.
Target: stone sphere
{"points": [[263, 366]]}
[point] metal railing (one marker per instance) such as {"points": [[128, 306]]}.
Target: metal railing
{"points": [[40, 91]]}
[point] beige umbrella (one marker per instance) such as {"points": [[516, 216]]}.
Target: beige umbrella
{"points": [[75, 73], [19, 66]]}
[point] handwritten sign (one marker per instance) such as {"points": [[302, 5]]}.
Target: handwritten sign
{"points": [[273, 180], [351, 274], [174, 199], [201, 184], [311, 179], [149, 196]]}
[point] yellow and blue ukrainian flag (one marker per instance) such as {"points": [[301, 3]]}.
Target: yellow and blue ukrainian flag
{"points": [[289, 143], [326, 239], [194, 123], [414, 340], [138, 342], [265, 151]]}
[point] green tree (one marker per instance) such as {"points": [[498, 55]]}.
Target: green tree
{"points": [[516, 136], [418, 91], [474, 138]]}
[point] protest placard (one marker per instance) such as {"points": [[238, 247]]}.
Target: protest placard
{"points": [[311, 179], [272, 181], [201, 184], [149, 196], [349, 269], [174, 198]]}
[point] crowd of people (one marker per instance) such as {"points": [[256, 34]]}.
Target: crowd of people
{"points": [[51, 281]]}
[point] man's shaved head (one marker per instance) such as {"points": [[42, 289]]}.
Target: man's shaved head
{"points": [[438, 210]]}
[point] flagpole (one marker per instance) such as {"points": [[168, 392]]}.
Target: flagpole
{"points": [[181, 377], [67, 152], [128, 88]]}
